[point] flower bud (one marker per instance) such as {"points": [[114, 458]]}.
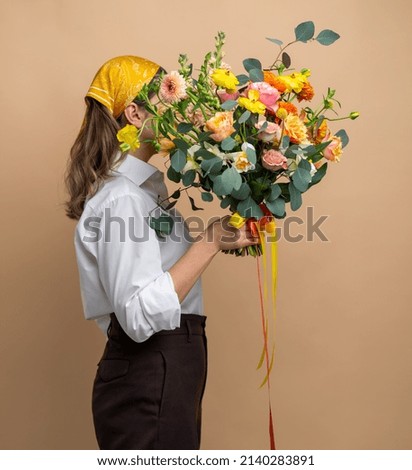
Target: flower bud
{"points": [[353, 115], [328, 104], [281, 113]]}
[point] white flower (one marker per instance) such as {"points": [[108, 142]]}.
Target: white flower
{"points": [[191, 163]]}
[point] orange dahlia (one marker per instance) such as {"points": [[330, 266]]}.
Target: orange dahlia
{"points": [[272, 79], [289, 107], [307, 92]]}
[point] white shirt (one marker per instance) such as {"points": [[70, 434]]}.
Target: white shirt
{"points": [[123, 264]]}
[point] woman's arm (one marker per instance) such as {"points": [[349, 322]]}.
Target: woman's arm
{"points": [[218, 236]]}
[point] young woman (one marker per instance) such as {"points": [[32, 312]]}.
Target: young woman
{"points": [[144, 291]]}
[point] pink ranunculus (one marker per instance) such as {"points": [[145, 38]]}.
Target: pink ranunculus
{"points": [[271, 133], [225, 96], [268, 94], [274, 160]]}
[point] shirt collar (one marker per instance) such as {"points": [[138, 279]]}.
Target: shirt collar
{"points": [[137, 170]]}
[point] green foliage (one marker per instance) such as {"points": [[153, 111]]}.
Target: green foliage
{"points": [[295, 197], [344, 137], [207, 197], [189, 177], [228, 144], [319, 174], [327, 37], [228, 105], [249, 208], [162, 224], [251, 64], [275, 41], [305, 31], [178, 160], [243, 192], [277, 207]]}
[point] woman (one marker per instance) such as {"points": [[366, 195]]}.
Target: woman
{"points": [[144, 291]]}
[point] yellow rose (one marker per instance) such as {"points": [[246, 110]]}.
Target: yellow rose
{"points": [[295, 129], [129, 138], [225, 79], [221, 124]]}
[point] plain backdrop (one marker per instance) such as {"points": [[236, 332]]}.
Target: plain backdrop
{"points": [[342, 377]]}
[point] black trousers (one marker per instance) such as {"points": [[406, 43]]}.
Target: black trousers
{"points": [[149, 395]]}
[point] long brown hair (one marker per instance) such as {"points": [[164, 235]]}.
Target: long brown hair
{"points": [[91, 156]]}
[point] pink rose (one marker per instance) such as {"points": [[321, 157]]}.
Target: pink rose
{"points": [[273, 160], [268, 95], [271, 133], [225, 96]]}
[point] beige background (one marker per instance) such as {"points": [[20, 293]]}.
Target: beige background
{"points": [[343, 373]]}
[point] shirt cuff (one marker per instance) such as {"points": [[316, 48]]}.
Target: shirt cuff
{"points": [[160, 303]]}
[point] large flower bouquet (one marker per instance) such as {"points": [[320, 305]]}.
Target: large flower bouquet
{"points": [[251, 140], [245, 139]]}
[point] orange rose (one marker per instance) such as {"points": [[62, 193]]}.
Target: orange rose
{"points": [[221, 124]]}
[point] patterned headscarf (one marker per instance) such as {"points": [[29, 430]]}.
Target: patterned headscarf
{"points": [[119, 80]]}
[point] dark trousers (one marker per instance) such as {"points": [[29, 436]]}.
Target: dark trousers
{"points": [[149, 395]]}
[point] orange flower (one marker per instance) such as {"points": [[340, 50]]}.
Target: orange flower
{"points": [[307, 92], [289, 107], [272, 79], [221, 124], [166, 145], [295, 129], [323, 132]]}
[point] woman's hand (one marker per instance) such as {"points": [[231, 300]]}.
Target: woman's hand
{"points": [[224, 236]]}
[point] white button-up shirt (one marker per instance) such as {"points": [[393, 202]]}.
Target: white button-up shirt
{"points": [[123, 264]]}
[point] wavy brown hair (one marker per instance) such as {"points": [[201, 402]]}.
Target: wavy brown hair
{"points": [[91, 156]]}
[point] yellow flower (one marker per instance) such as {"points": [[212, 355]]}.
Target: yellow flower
{"points": [[236, 220], [129, 136], [295, 129], [225, 79], [166, 145], [294, 82], [252, 103]]}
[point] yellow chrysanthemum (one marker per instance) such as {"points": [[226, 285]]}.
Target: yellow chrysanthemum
{"points": [[252, 103], [129, 138], [225, 78]]}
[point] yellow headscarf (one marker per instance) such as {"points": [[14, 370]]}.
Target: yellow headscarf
{"points": [[119, 80]]}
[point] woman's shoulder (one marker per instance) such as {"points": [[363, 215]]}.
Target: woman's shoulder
{"points": [[110, 191]]}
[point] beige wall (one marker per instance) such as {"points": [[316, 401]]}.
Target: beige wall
{"points": [[343, 373]]}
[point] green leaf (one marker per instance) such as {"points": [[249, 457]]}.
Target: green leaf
{"points": [[244, 117], [256, 75], [250, 64], [251, 154], [344, 137], [194, 207], [228, 105], [276, 41], [241, 193], [184, 127], [181, 144], [275, 192], [189, 177], [204, 154], [249, 208], [327, 37], [286, 60], [176, 194], [319, 174], [178, 160], [295, 197], [224, 203], [301, 179], [304, 164], [173, 175], [207, 197], [232, 178], [305, 31], [163, 223], [228, 144], [243, 79], [220, 187], [277, 207], [213, 165]]}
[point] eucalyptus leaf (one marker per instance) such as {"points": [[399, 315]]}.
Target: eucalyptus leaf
{"points": [[224, 203], [305, 31], [221, 187], [276, 41], [181, 144], [184, 127], [301, 179], [327, 37], [178, 160], [207, 197], [277, 207], [286, 60], [212, 165], [173, 175], [176, 194], [343, 136], [256, 75], [275, 192], [319, 174], [228, 144], [163, 224], [241, 193], [243, 79], [249, 208], [189, 177], [251, 154], [232, 178], [250, 64], [229, 104], [295, 197], [244, 117]]}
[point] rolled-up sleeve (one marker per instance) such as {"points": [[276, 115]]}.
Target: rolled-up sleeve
{"points": [[143, 296]]}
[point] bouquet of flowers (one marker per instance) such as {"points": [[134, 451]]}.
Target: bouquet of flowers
{"points": [[251, 140], [243, 138]]}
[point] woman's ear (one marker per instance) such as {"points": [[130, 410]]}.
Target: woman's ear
{"points": [[135, 115]]}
